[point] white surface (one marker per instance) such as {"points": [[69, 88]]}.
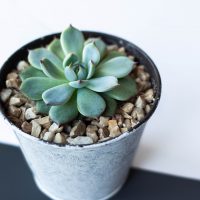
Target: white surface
{"points": [[169, 31]]}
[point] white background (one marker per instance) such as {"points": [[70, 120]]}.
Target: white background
{"points": [[169, 31]]}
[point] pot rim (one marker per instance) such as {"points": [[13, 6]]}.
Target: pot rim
{"points": [[102, 143]]}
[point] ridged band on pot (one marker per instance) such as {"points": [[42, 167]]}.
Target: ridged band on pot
{"points": [[89, 172]]}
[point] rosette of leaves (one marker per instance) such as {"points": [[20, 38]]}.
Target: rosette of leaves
{"points": [[72, 76]]}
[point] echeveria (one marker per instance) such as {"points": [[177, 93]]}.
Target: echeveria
{"points": [[73, 76]]}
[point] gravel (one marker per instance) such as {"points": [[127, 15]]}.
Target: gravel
{"points": [[21, 111]]}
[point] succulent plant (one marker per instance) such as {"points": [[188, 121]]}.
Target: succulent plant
{"points": [[72, 76]]}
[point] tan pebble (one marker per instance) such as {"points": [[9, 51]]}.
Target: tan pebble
{"points": [[112, 123], [91, 131], [138, 114], [96, 123], [12, 75], [131, 57], [42, 133], [78, 130], [5, 94], [14, 101], [147, 108], [54, 128], [29, 104], [48, 136], [121, 50], [112, 47], [113, 128], [114, 131], [140, 103], [60, 129], [44, 121], [127, 107], [123, 130], [91, 128], [133, 122], [30, 114], [103, 121], [13, 83], [36, 129], [148, 95], [14, 111], [59, 139], [26, 127], [120, 119], [103, 132], [126, 115], [23, 110], [92, 135], [21, 96], [127, 123], [65, 135], [144, 76], [140, 69], [22, 65], [143, 85]]}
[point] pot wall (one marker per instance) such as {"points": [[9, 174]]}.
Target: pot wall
{"points": [[91, 172], [76, 173]]}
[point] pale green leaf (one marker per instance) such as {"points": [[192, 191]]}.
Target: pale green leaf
{"points": [[70, 74], [112, 54], [57, 95], [70, 59], [102, 84], [82, 73], [64, 113], [127, 88], [118, 67], [56, 48], [101, 46], [42, 108], [31, 72], [35, 86], [51, 70], [90, 52], [78, 84], [72, 41], [91, 69], [111, 106], [34, 57], [90, 104]]}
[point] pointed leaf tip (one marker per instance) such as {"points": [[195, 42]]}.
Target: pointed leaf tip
{"points": [[51, 70], [36, 55], [72, 41], [90, 52]]}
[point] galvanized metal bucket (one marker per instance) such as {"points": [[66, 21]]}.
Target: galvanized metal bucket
{"points": [[92, 172]]}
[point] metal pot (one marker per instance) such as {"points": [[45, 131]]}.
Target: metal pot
{"points": [[92, 172]]}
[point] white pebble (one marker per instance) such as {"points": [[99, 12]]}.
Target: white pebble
{"points": [[36, 129], [5, 94], [30, 114], [80, 140], [48, 136]]}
